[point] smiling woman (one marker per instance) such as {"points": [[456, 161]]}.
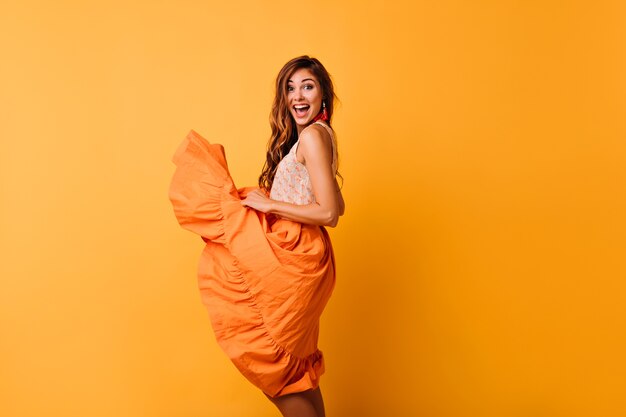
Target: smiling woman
{"points": [[268, 268], [304, 97]]}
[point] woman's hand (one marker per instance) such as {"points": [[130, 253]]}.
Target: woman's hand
{"points": [[317, 152], [257, 200]]}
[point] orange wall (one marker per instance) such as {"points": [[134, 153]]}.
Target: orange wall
{"points": [[481, 259]]}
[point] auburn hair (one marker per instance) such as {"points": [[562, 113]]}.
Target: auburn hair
{"points": [[284, 131]]}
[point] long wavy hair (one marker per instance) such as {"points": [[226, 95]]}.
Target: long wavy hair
{"points": [[284, 131]]}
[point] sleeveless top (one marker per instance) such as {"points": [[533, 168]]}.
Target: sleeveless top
{"points": [[291, 181]]}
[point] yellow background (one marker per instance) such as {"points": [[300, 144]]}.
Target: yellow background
{"points": [[481, 258]]}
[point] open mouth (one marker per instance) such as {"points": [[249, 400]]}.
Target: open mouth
{"points": [[301, 109]]}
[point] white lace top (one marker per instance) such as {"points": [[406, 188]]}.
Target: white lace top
{"points": [[291, 182]]}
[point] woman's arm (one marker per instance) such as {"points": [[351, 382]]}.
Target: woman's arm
{"points": [[316, 150], [342, 205]]}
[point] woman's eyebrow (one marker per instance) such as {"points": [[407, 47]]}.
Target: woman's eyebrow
{"points": [[306, 79]]}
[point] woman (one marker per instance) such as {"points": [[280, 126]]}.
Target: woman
{"points": [[268, 268]]}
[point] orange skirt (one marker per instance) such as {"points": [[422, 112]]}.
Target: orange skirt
{"points": [[265, 281]]}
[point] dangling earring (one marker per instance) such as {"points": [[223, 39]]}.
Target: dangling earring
{"points": [[324, 112], [323, 115]]}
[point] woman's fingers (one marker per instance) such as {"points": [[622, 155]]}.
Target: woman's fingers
{"points": [[257, 200]]}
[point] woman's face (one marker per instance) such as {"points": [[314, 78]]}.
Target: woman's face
{"points": [[304, 97]]}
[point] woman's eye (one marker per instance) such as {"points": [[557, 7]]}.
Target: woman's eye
{"points": [[289, 88], [308, 87]]}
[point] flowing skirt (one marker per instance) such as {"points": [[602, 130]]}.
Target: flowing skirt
{"points": [[264, 281]]}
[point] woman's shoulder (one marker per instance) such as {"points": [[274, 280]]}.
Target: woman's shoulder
{"points": [[324, 126], [316, 138], [317, 131]]}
